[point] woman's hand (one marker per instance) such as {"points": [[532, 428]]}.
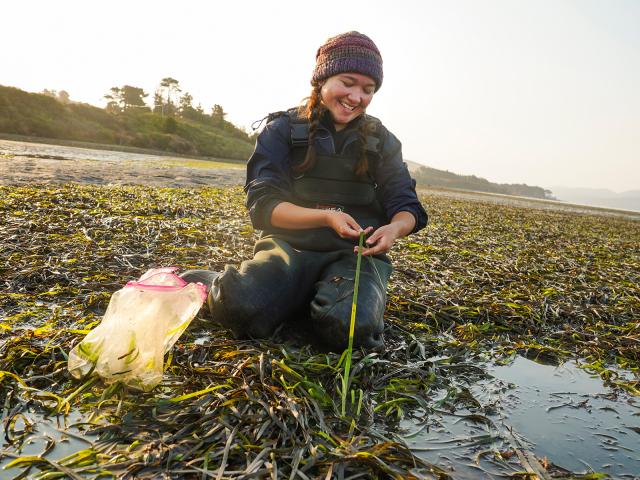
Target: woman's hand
{"points": [[381, 241], [294, 217], [384, 237], [344, 225]]}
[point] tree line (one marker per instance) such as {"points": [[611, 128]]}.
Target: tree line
{"points": [[172, 125], [168, 101], [441, 178]]}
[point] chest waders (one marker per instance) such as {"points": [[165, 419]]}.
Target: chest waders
{"points": [[305, 278], [331, 184]]}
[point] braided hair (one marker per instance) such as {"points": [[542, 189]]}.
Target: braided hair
{"points": [[366, 128], [313, 110]]}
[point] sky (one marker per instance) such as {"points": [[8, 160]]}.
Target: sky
{"points": [[539, 92]]}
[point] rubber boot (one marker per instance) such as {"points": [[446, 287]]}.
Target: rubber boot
{"points": [[332, 305], [206, 277]]}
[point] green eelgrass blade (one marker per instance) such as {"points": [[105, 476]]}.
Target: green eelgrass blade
{"points": [[352, 325]]}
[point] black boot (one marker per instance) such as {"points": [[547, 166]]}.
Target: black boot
{"points": [[206, 277], [332, 304]]}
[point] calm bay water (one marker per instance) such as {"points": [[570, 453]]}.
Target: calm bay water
{"points": [[42, 150]]}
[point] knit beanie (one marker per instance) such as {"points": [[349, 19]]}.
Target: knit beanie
{"points": [[348, 52]]}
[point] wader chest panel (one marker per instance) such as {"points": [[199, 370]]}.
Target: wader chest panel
{"points": [[331, 184], [332, 181]]}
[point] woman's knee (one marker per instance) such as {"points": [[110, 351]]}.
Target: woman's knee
{"points": [[247, 307], [331, 312], [254, 300]]}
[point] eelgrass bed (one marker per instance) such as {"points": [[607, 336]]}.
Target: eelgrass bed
{"points": [[482, 282]]}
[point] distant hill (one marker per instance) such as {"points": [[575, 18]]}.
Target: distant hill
{"points": [[412, 166], [600, 197], [40, 115], [428, 176]]}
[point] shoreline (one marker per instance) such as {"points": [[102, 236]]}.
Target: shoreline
{"points": [[29, 163], [172, 170], [108, 146], [530, 202]]}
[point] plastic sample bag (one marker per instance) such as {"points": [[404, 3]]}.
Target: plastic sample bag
{"points": [[142, 322]]}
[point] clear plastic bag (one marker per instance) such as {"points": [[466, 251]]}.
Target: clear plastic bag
{"points": [[142, 322]]}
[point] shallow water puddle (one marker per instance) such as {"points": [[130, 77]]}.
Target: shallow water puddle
{"points": [[561, 414], [572, 418], [52, 437], [60, 152]]}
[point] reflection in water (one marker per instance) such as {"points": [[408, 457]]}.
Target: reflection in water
{"points": [[561, 414], [571, 418], [58, 152], [52, 437]]}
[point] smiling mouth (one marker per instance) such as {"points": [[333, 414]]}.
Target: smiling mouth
{"points": [[347, 106]]}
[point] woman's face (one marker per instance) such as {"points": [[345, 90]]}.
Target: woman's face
{"points": [[347, 96]]}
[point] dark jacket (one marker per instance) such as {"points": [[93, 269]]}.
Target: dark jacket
{"points": [[269, 176]]}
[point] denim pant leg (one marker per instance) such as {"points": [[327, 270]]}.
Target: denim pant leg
{"points": [[332, 304], [255, 299]]}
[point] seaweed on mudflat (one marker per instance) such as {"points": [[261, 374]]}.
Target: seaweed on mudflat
{"points": [[481, 280]]}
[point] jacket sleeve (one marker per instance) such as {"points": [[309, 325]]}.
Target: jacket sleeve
{"points": [[396, 188], [268, 177]]}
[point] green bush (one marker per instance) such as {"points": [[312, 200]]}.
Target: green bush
{"points": [[170, 125], [40, 115]]}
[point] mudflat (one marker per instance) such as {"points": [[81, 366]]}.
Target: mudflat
{"points": [[511, 331], [26, 170], [25, 163]]}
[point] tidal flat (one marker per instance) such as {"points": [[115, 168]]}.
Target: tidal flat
{"points": [[513, 348]]}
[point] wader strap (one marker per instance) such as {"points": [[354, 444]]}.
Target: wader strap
{"points": [[299, 134], [300, 141]]}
